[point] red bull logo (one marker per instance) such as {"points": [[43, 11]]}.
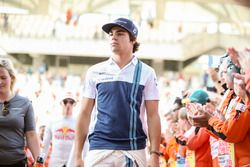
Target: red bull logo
{"points": [[65, 133]]}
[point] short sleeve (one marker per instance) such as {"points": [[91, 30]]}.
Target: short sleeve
{"points": [[29, 118], [89, 88], [151, 91]]}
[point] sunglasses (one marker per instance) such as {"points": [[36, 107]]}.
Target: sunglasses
{"points": [[65, 101], [5, 109]]}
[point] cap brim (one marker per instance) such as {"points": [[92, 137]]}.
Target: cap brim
{"points": [[193, 100], [107, 27], [72, 98]]}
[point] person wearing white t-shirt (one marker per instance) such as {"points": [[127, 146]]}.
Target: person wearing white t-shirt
{"points": [[61, 133]]}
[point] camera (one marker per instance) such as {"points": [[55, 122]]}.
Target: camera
{"points": [[231, 69]]}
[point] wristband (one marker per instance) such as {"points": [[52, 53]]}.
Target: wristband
{"points": [[155, 152]]}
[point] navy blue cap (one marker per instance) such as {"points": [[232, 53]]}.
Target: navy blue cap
{"points": [[123, 23]]}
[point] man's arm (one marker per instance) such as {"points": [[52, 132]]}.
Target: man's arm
{"points": [[82, 127], [154, 130]]}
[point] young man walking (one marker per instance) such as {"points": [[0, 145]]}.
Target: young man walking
{"points": [[118, 94]]}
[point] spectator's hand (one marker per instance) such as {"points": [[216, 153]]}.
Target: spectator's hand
{"points": [[247, 79], [200, 120], [194, 109], [234, 56], [219, 115], [209, 109], [215, 99], [244, 59], [213, 74], [239, 86], [153, 161], [241, 59], [212, 111]]}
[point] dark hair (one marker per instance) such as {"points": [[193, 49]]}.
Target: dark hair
{"points": [[136, 44]]}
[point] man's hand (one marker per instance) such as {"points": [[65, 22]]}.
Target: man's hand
{"points": [[78, 162], [153, 161]]}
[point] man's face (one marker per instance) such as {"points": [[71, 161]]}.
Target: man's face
{"points": [[119, 41], [68, 105]]}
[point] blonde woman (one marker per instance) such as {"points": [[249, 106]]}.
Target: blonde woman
{"points": [[16, 121]]}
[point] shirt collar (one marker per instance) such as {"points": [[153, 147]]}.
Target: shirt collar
{"points": [[133, 61]]}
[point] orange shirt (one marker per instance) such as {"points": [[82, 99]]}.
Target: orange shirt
{"points": [[163, 152], [236, 129], [199, 143], [171, 150], [222, 151]]}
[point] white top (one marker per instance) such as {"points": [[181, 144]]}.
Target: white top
{"points": [[61, 133], [118, 117]]}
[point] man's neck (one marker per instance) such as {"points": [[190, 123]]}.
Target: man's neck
{"points": [[122, 60]]}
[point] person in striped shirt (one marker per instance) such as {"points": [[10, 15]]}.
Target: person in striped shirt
{"points": [[118, 95]]}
